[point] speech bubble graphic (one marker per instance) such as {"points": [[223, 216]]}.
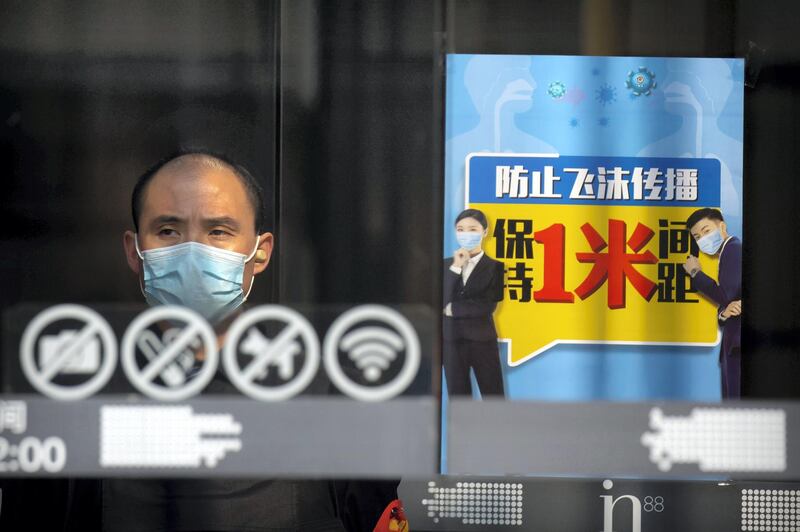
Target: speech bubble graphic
{"points": [[592, 264], [532, 326]]}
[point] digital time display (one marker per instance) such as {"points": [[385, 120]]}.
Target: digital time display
{"points": [[32, 455]]}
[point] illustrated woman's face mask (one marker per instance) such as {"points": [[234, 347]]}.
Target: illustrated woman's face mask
{"points": [[469, 239], [469, 233], [203, 278]]}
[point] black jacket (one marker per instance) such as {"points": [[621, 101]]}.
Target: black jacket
{"points": [[473, 304]]}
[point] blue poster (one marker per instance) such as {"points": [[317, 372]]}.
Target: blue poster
{"points": [[584, 172]]}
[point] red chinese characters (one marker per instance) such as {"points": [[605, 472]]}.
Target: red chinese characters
{"points": [[616, 265]]}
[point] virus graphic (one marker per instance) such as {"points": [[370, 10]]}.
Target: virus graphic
{"points": [[595, 71], [641, 81], [574, 122], [603, 121], [606, 94], [557, 90]]}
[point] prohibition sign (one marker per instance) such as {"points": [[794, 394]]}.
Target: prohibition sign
{"points": [[94, 326], [144, 378], [297, 327]]}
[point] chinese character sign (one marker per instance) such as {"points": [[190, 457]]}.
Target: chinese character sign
{"points": [[594, 248], [587, 169]]}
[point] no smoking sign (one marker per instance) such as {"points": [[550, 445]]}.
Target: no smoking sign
{"points": [[169, 369]]}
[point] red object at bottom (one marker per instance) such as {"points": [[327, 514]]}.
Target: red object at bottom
{"points": [[393, 518]]}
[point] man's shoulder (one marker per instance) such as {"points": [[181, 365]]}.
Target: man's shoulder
{"points": [[734, 241], [732, 249]]}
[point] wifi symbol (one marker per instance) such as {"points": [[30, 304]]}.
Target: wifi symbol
{"points": [[372, 349]]}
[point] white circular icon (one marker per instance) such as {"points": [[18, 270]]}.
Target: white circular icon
{"points": [[372, 349], [71, 351], [166, 355], [279, 353]]}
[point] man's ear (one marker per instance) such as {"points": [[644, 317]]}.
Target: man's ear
{"points": [[129, 243], [263, 252]]}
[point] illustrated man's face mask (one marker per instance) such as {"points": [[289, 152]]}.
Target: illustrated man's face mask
{"points": [[203, 278], [710, 243]]}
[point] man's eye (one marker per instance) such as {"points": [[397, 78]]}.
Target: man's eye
{"points": [[219, 232], [167, 232]]}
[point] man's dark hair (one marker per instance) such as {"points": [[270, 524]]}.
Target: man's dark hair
{"points": [[253, 189], [473, 213], [700, 214]]}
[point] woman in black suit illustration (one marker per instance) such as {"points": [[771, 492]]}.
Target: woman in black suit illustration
{"points": [[473, 285]]}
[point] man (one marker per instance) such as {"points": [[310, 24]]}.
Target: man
{"points": [[199, 241], [198, 206], [708, 228]]}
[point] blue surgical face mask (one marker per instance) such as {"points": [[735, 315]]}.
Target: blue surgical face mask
{"points": [[203, 278], [710, 243], [469, 239]]}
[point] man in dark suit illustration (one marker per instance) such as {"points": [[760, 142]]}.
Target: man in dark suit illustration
{"points": [[473, 285], [709, 230]]}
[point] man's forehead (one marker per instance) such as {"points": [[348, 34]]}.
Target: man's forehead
{"points": [[195, 166], [703, 222], [198, 182]]}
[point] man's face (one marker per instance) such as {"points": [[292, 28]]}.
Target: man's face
{"points": [[706, 226], [189, 201]]}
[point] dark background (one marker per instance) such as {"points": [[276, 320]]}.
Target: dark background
{"points": [[337, 106]]}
